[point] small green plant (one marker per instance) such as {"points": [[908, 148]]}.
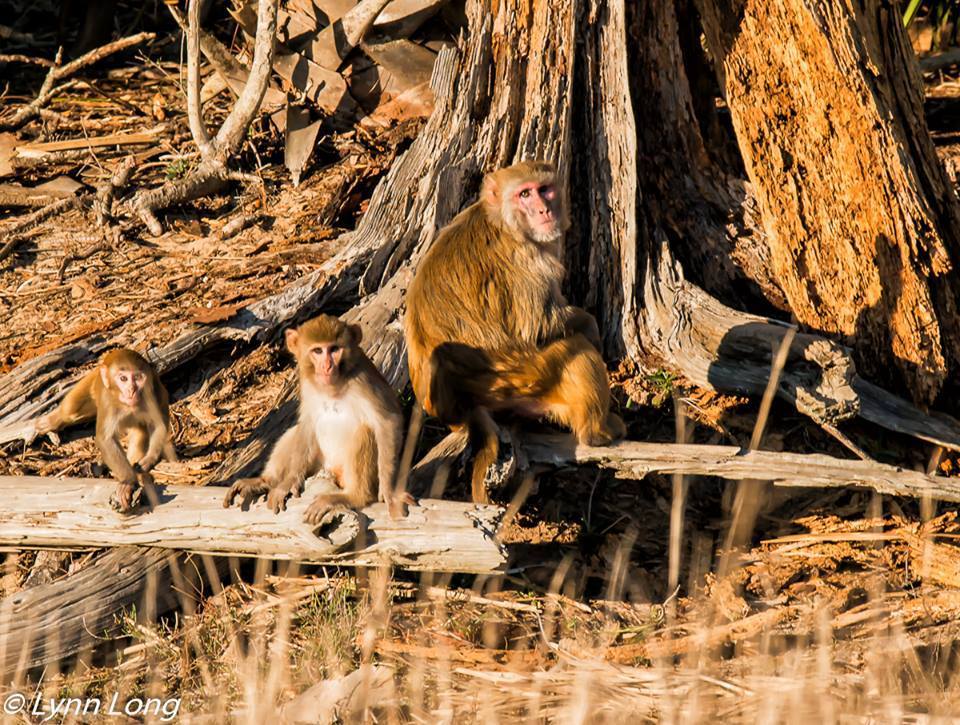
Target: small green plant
{"points": [[176, 169], [661, 384], [941, 14]]}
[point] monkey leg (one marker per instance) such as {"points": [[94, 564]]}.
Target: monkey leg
{"points": [[578, 394], [77, 407], [486, 446], [357, 477]]}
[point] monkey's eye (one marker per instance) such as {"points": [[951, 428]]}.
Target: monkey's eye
{"points": [[334, 349], [123, 378], [525, 193], [546, 191]]}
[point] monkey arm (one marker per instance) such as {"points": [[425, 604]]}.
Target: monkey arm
{"points": [[113, 455], [159, 433], [294, 457], [388, 432]]}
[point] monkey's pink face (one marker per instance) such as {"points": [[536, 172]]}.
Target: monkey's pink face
{"points": [[325, 357], [129, 384], [538, 207]]}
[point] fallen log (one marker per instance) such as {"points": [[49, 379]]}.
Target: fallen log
{"points": [[74, 513], [50, 623], [635, 459]]}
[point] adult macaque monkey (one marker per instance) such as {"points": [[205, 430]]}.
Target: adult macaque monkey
{"points": [[488, 329], [126, 397], [350, 424]]}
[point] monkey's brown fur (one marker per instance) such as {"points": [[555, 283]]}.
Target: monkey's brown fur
{"points": [[487, 327], [350, 423], [145, 421]]}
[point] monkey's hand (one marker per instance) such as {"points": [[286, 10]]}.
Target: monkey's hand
{"points": [[278, 495], [248, 489], [581, 322], [145, 464]]}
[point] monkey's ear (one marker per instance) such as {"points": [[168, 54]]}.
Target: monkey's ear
{"points": [[292, 336], [356, 333], [105, 376]]}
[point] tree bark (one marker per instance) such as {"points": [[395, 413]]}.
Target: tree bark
{"points": [[862, 222], [52, 622]]}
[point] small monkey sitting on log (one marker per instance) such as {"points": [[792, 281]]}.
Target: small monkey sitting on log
{"points": [[350, 424], [488, 329], [126, 397]]}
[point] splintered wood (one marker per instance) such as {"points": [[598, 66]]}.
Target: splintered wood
{"points": [[74, 513]]}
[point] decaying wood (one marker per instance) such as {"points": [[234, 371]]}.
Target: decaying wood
{"points": [[51, 622], [863, 223], [75, 513], [722, 349], [635, 459]]}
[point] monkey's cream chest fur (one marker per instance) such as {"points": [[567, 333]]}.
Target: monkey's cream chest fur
{"points": [[338, 424]]}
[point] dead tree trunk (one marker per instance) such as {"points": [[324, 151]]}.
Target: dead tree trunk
{"points": [[863, 225]]}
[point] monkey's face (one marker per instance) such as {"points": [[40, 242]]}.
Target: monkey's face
{"points": [[326, 359], [536, 210], [128, 383]]}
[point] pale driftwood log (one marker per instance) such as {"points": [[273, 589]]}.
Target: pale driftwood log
{"points": [[75, 513], [51, 622], [634, 459]]}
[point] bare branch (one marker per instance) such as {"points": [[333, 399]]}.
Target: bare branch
{"points": [[194, 111], [234, 129]]}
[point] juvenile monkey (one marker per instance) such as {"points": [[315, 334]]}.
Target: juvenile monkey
{"points": [[125, 396], [487, 327], [350, 424]]}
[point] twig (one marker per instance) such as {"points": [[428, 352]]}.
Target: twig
{"points": [[194, 112], [236, 225], [102, 205], [29, 59], [103, 245], [58, 73], [98, 54], [15, 233]]}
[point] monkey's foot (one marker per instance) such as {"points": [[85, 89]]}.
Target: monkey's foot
{"points": [[323, 508], [612, 430], [126, 497], [501, 470], [397, 505]]}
